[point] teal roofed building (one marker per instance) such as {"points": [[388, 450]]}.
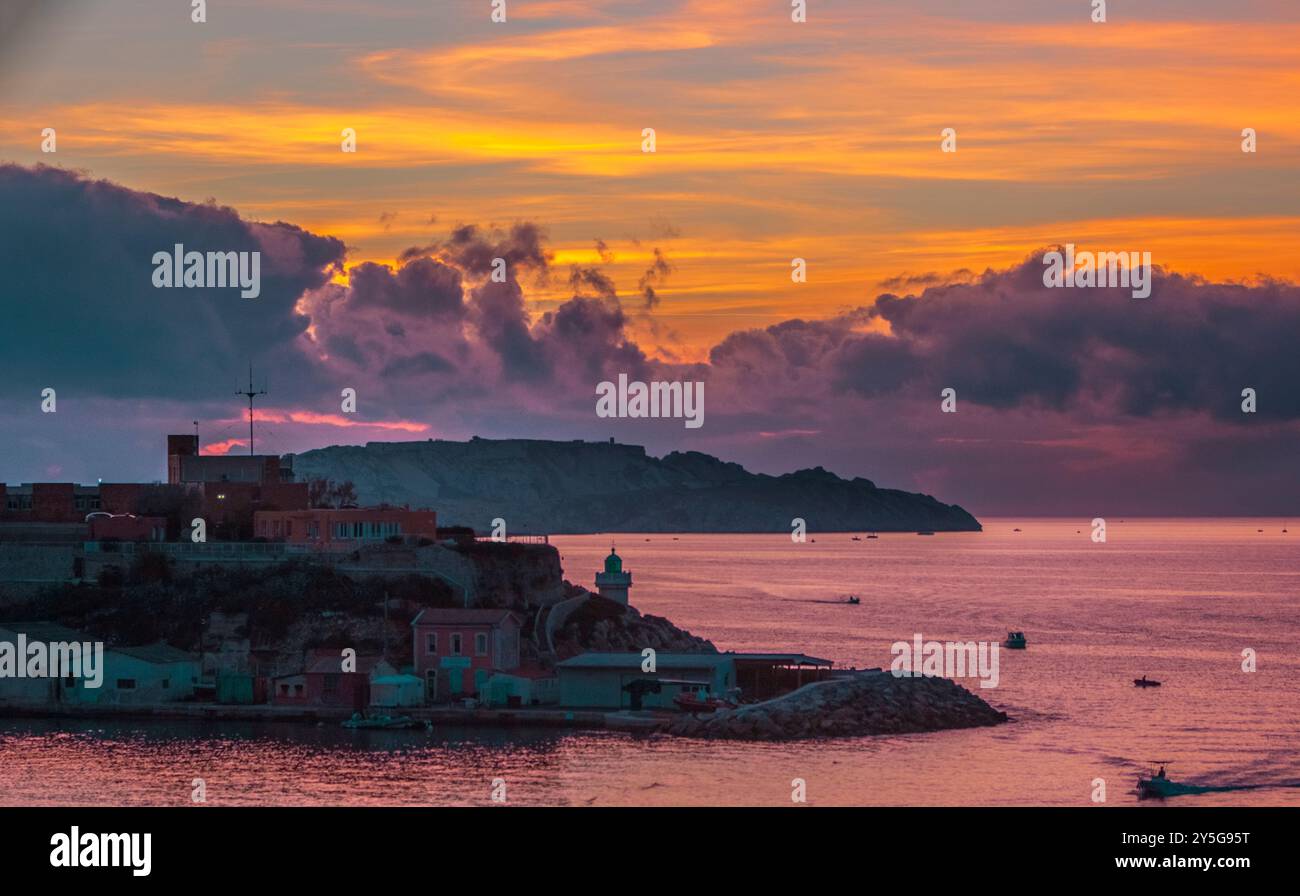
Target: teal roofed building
{"points": [[606, 680], [614, 583]]}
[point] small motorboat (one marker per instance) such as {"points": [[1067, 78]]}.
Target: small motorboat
{"points": [[1014, 641], [873, 535], [1145, 682], [1163, 787], [1015, 530], [853, 599], [855, 538], [387, 723], [925, 532], [1157, 784]]}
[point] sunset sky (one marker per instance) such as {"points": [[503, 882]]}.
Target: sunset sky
{"points": [[775, 140]]}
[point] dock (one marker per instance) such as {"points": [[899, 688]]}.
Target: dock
{"points": [[548, 717]]}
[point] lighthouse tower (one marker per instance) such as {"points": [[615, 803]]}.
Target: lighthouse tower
{"points": [[614, 582]]}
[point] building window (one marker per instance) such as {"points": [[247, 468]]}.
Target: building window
{"points": [[430, 684], [126, 684], [297, 690], [166, 682], [480, 644], [431, 643], [455, 644], [284, 690]]}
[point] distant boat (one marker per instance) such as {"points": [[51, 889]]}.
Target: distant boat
{"points": [[1014, 641], [855, 538], [1015, 530], [873, 535], [1145, 682], [853, 599], [925, 532]]}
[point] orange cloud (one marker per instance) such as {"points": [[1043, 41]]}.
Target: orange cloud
{"points": [[225, 447], [312, 418]]}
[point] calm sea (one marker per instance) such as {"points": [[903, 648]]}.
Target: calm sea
{"points": [[1176, 600]]}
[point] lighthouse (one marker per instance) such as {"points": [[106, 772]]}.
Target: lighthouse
{"points": [[614, 582]]}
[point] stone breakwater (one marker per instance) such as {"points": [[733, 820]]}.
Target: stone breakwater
{"points": [[862, 704]]}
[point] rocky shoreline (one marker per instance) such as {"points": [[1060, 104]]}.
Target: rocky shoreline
{"points": [[868, 703]]}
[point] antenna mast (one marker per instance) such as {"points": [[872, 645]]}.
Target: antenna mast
{"points": [[251, 394]]}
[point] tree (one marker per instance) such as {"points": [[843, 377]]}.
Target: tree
{"points": [[327, 493]]}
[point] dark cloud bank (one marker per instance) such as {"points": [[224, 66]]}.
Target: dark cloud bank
{"points": [[1069, 400]]}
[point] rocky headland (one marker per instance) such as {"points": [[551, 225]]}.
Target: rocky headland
{"points": [[581, 487]]}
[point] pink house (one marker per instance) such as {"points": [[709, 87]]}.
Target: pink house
{"points": [[456, 651]]}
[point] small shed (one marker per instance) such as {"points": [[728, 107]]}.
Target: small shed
{"points": [[525, 686], [324, 683], [396, 690], [240, 689]]}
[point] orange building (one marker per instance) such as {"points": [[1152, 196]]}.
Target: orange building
{"points": [[328, 526], [234, 486]]}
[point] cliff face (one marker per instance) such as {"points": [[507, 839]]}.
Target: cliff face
{"points": [[608, 627], [576, 487]]}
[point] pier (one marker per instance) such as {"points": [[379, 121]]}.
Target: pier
{"points": [[439, 715]]}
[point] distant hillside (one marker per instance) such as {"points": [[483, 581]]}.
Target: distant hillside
{"points": [[574, 487]]}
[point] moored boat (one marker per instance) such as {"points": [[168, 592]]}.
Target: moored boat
{"points": [[700, 703], [1145, 682], [1014, 641], [359, 721]]}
